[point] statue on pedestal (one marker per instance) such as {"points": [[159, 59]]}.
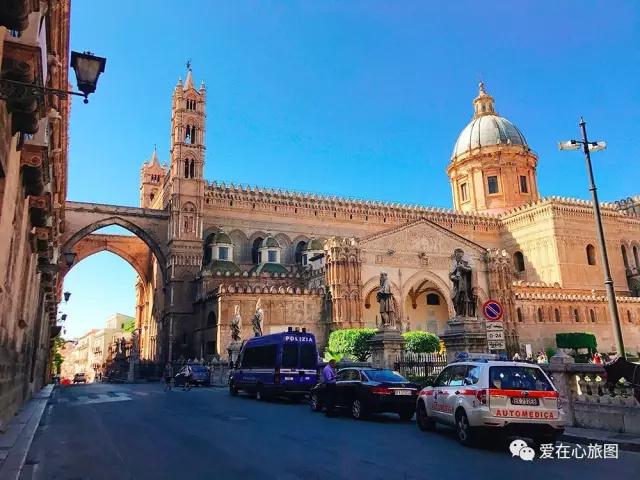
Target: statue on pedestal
{"points": [[460, 276], [236, 324], [387, 302], [258, 319]]}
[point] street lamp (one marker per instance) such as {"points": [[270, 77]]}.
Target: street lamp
{"points": [[66, 296], [87, 66], [588, 147], [69, 258]]}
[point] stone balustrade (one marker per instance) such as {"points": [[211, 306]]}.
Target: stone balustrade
{"points": [[589, 401]]}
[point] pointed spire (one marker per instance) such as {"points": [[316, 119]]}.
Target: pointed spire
{"points": [[483, 103], [188, 83], [154, 156]]}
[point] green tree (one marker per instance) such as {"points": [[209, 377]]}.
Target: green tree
{"points": [[421, 342], [56, 356], [351, 342], [129, 326]]}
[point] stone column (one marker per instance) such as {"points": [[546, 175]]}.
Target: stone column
{"points": [[464, 334], [386, 347]]}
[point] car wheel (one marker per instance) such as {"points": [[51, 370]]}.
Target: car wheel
{"points": [[465, 432], [406, 416], [233, 390], [424, 422], [358, 410], [314, 403]]}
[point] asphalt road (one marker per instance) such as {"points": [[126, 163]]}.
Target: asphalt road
{"points": [[107, 431]]}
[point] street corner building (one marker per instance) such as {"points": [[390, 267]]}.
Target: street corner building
{"points": [[34, 47], [209, 252]]}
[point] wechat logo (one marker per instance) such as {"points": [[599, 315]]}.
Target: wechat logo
{"points": [[519, 448]]}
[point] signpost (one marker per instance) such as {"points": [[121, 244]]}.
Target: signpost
{"points": [[493, 311]]}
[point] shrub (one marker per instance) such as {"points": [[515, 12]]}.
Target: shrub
{"points": [[421, 342], [351, 342], [550, 352], [577, 340]]}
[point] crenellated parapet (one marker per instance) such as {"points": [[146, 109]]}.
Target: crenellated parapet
{"points": [[237, 196]]}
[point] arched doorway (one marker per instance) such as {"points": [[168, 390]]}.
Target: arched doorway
{"points": [[427, 303]]}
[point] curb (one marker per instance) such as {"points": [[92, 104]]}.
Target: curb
{"points": [[622, 445], [24, 431]]}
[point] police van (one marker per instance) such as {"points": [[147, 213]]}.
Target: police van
{"points": [[481, 393], [278, 364]]}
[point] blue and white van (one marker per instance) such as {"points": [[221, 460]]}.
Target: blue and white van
{"points": [[278, 364]]}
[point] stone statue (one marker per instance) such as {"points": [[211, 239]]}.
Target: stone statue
{"points": [[236, 324], [386, 301], [135, 343], [257, 320], [460, 276]]}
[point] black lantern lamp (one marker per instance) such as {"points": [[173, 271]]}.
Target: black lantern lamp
{"points": [[63, 317], [66, 296], [69, 258], [88, 68]]}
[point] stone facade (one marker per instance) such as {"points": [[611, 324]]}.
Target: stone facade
{"points": [[314, 261], [34, 46]]}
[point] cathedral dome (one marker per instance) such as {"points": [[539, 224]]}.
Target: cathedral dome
{"points": [[270, 242], [221, 237], [487, 128]]}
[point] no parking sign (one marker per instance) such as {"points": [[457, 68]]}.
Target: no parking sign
{"points": [[492, 310]]}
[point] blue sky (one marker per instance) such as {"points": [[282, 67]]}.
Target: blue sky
{"points": [[355, 98]]}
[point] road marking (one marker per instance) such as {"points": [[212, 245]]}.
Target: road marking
{"points": [[99, 398]]}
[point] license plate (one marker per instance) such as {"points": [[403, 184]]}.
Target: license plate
{"points": [[524, 401], [403, 392]]}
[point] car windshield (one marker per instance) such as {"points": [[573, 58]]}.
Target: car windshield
{"points": [[384, 376], [518, 378]]}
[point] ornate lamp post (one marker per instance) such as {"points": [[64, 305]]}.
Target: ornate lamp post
{"points": [[87, 66], [588, 147]]}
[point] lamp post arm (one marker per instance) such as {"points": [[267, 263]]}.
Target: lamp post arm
{"points": [[12, 89], [608, 282]]}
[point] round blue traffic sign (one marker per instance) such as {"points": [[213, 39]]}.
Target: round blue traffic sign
{"points": [[492, 310]]}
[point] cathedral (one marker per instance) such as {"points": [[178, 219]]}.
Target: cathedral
{"points": [[314, 262]]}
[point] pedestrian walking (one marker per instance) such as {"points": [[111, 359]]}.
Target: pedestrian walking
{"points": [[329, 379], [168, 376], [188, 375]]}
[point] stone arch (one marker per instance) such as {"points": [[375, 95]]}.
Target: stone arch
{"points": [[253, 244], [287, 255], [138, 231], [130, 249], [298, 245], [439, 283], [241, 246]]}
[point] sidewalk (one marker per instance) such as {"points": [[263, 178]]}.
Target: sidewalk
{"points": [[584, 436], [16, 440]]}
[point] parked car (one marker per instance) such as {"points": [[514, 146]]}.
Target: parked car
{"points": [[79, 378], [514, 398], [199, 376], [363, 391], [278, 364]]}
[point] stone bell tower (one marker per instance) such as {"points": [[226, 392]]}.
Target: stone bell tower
{"points": [[152, 176], [183, 199]]}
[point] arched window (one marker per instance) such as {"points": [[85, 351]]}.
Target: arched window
{"points": [[624, 256], [433, 299], [193, 135], [591, 254], [576, 315], [519, 314], [255, 250], [635, 256], [518, 261], [540, 318], [557, 313], [192, 169], [186, 169], [211, 320], [592, 314], [187, 134], [629, 318], [189, 218], [299, 256]]}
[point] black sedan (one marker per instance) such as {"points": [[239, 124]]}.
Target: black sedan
{"points": [[363, 391], [199, 376]]}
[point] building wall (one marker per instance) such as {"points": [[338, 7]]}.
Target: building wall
{"points": [[33, 159]]}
